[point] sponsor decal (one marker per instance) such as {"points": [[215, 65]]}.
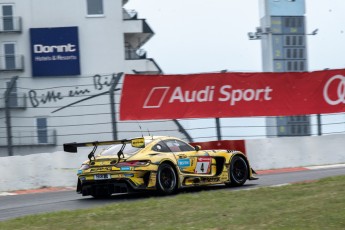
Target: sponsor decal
{"points": [[227, 94], [129, 175], [39, 48], [125, 168], [156, 97], [183, 163], [204, 159], [210, 179], [100, 169], [338, 81], [203, 165], [55, 51], [138, 142]]}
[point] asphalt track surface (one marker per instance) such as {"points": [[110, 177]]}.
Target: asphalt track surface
{"points": [[28, 204]]}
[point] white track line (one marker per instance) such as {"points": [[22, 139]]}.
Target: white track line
{"points": [[326, 166], [7, 194]]}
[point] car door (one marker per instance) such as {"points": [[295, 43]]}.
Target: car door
{"points": [[188, 159]]}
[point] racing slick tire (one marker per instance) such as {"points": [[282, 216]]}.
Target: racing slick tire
{"points": [[166, 181], [238, 171]]}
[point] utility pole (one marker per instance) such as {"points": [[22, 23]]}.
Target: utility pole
{"points": [[8, 115], [114, 83]]}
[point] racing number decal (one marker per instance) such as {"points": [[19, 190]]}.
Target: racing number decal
{"points": [[203, 165]]}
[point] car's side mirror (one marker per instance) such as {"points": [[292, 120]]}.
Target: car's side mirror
{"points": [[197, 148]]}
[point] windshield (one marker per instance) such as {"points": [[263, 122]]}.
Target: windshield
{"points": [[114, 149]]}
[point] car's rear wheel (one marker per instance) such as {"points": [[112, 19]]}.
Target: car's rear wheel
{"points": [[238, 171], [166, 179]]}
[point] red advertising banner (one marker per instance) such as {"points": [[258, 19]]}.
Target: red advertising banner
{"points": [[228, 144], [146, 97]]}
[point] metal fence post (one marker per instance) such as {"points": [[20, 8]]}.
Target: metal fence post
{"points": [[319, 125], [218, 128], [114, 83], [8, 115], [183, 130]]}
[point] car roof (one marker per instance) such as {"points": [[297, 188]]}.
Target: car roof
{"points": [[159, 137]]}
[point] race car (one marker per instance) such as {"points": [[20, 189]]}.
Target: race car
{"points": [[156, 163]]}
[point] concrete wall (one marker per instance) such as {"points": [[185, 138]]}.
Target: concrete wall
{"points": [[288, 152], [38, 170], [60, 168]]}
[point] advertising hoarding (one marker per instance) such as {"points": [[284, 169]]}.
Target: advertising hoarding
{"points": [[55, 51], [232, 95]]}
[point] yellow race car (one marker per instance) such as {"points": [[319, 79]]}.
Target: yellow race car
{"points": [[159, 163]]}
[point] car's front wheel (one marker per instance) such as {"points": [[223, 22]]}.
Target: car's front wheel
{"points": [[238, 171], [166, 179]]}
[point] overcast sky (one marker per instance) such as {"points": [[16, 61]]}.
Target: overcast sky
{"points": [[194, 36]]}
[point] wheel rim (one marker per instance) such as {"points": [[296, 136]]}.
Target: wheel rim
{"points": [[167, 179], [239, 170]]}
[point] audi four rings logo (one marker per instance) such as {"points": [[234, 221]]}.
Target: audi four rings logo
{"points": [[340, 90]]}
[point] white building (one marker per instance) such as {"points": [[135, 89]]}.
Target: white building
{"points": [[63, 52]]}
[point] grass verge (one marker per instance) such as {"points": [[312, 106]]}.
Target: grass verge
{"points": [[316, 205]]}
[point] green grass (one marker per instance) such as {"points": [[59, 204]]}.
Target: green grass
{"points": [[317, 205]]}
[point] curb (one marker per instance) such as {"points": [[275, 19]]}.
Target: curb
{"points": [[40, 190], [298, 169], [283, 170]]}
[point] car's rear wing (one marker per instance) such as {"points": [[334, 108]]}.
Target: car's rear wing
{"points": [[72, 147]]}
